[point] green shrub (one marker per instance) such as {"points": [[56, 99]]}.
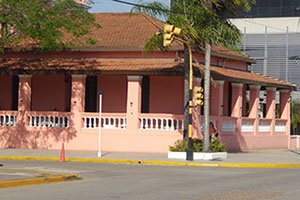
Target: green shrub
{"points": [[182, 146], [217, 146]]}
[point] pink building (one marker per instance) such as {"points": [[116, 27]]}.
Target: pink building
{"points": [[48, 99]]}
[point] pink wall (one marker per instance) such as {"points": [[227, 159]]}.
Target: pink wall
{"points": [[114, 88], [242, 142], [225, 100], [166, 94], [234, 64], [48, 93], [5, 92], [223, 62], [121, 141]]}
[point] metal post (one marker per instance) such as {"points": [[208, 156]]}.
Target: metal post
{"points": [[245, 30], [100, 124], [266, 52], [190, 153], [287, 55]]}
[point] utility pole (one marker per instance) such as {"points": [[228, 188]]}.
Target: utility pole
{"points": [[206, 96]]}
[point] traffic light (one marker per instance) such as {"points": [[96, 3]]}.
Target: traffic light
{"points": [[198, 96], [169, 32]]}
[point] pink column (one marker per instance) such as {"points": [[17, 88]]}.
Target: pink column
{"points": [[217, 101], [285, 107], [217, 98], [134, 101], [237, 99], [78, 100], [244, 101], [24, 102], [24, 92], [270, 107], [254, 105], [237, 103]]}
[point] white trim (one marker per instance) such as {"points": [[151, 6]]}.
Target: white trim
{"points": [[220, 82], [239, 85], [198, 155], [24, 75], [78, 76], [134, 78], [271, 89], [255, 87]]}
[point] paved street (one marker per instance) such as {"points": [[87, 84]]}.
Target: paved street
{"points": [[107, 181]]}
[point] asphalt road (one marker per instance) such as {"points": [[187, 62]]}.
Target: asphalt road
{"points": [[133, 182]]}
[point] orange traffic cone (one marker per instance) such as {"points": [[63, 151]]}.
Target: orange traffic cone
{"points": [[62, 153]]}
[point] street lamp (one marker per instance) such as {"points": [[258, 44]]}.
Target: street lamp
{"points": [[100, 124]]}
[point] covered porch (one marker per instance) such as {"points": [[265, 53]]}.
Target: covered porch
{"points": [[142, 109]]}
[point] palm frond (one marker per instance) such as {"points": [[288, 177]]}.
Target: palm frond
{"points": [[154, 43], [154, 9]]}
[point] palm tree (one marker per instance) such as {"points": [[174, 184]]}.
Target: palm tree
{"points": [[203, 24]]}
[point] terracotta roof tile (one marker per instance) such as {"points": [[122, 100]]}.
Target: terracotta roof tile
{"points": [[130, 31], [126, 32], [249, 78], [123, 31], [136, 66]]}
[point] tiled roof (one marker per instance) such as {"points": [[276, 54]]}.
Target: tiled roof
{"points": [[133, 66], [127, 32], [130, 31], [123, 31], [249, 78]]}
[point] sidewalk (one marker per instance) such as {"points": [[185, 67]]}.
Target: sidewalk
{"points": [[22, 177], [259, 157]]}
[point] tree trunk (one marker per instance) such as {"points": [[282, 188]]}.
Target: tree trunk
{"points": [[186, 91], [206, 96]]}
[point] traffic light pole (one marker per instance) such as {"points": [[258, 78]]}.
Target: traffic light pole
{"points": [[169, 32], [189, 154]]}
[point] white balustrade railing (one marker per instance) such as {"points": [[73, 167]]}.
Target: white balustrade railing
{"points": [[264, 126], [8, 120], [106, 122], [228, 125], [247, 125], [162, 124], [280, 126], [49, 121]]}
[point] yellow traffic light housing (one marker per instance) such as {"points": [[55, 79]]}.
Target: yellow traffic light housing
{"points": [[169, 31], [176, 31], [168, 39], [198, 96]]}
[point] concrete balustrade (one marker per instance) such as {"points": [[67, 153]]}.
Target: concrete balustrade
{"points": [[161, 122], [49, 119], [108, 121], [8, 118], [248, 125], [229, 124]]}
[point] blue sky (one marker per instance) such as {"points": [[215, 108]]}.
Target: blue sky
{"points": [[110, 6]]}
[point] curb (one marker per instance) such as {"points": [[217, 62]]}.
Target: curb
{"points": [[156, 162], [43, 180]]}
